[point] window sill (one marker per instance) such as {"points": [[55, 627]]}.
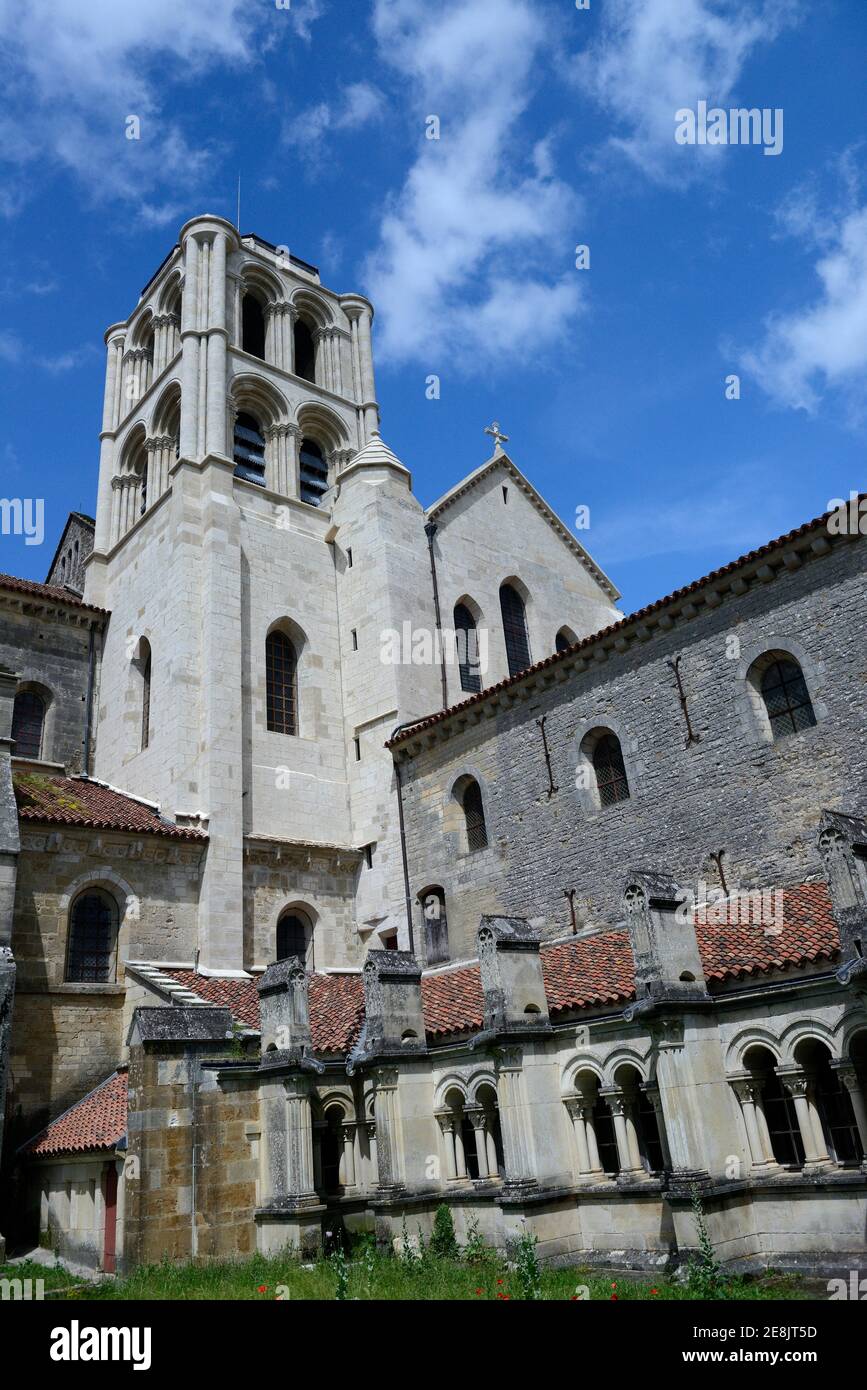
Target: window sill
{"points": [[86, 987]]}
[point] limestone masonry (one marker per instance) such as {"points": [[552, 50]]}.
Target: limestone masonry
{"points": [[357, 857]]}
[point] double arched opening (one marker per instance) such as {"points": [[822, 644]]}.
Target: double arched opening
{"points": [[811, 1112], [617, 1128], [472, 1136]]}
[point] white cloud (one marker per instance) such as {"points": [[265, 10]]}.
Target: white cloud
{"points": [[359, 105], [655, 57], [475, 250], [824, 344], [75, 71]]}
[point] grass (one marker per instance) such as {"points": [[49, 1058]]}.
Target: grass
{"points": [[372, 1276], [53, 1277]]}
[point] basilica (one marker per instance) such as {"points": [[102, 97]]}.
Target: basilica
{"points": [[357, 856]]}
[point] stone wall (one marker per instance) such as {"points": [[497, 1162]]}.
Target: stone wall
{"points": [[47, 645], [734, 790], [66, 1036]]}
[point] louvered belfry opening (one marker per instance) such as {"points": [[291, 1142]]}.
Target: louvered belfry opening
{"points": [[787, 699], [610, 771], [92, 932], [468, 649], [249, 450], [314, 473], [474, 811], [28, 721], [515, 629], [281, 674]]}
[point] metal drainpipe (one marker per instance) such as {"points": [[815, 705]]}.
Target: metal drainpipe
{"points": [[399, 788], [430, 531], [88, 708]]}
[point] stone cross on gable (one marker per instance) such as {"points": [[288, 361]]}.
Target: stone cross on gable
{"points": [[498, 438]]}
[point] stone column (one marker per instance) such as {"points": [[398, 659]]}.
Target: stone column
{"points": [[617, 1104], [748, 1093], [491, 1146], [446, 1121], [190, 350], [635, 1162], [360, 314], [851, 1080], [216, 387], [347, 1159], [799, 1086], [477, 1120], [575, 1108], [460, 1155]]}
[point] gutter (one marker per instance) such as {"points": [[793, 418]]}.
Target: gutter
{"points": [[430, 531], [88, 712]]}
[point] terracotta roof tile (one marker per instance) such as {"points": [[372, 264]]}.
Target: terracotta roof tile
{"points": [[80, 801], [48, 591], [735, 941], [585, 972], [590, 970], [452, 1001], [98, 1121]]}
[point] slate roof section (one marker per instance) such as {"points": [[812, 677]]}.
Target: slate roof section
{"points": [[97, 1121], [81, 801], [411, 730], [48, 591]]}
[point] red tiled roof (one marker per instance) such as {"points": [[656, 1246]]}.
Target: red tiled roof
{"points": [[581, 973], [336, 1011], [751, 556], [734, 948], [587, 971], [51, 591], [336, 1004], [98, 1121], [79, 801], [452, 1002]]}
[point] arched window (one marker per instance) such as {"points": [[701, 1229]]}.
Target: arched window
{"points": [[471, 1135], [305, 351], [436, 927], [515, 629], [281, 680], [28, 723], [610, 771], [294, 936], [314, 473], [787, 698], [252, 327], [474, 814], [564, 640], [467, 639], [145, 694], [93, 921], [775, 1111], [249, 449]]}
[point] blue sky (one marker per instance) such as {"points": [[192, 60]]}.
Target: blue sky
{"points": [[556, 129]]}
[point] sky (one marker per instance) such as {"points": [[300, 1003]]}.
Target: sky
{"points": [[611, 370]]}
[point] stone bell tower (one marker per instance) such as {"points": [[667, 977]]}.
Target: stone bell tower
{"points": [[244, 491]]}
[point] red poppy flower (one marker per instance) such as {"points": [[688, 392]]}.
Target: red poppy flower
{"points": [[263, 1288], [614, 1298]]}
